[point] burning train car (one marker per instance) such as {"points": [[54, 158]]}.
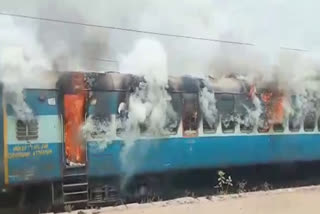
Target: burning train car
{"points": [[243, 127]]}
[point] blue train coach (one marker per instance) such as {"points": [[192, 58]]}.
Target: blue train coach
{"points": [[34, 152]]}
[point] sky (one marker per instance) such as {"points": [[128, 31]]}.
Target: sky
{"points": [[269, 24]]}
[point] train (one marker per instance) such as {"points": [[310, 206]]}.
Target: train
{"points": [[46, 149]]}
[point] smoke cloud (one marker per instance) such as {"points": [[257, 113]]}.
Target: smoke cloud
{"points": [[22, 62], [269, 24]]}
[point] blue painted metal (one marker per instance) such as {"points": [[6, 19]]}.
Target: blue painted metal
{"points": [[40, 159], [155, 155], [49, 130], [147, 156], [36, 167], [38, 106], [107, 102]]}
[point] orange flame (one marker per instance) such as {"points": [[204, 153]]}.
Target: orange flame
{"points": [[278, 110], [274, 107], [266, 97], [74, 111]]}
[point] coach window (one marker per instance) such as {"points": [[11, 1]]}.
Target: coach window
{"points": [[99, 114], [294, 119], [309, 121], [278, 127], [190, 116], [174, 113], [278, 114], [210, 127], [225, 105], [106, 104], [244, 106], [264, 125], [210, 119], [294, 123], [122, 111], [27, 130]]}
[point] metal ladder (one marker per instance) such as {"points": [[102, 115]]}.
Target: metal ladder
{"points": [[75, 186]]}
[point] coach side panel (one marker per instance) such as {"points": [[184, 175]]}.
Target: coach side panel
{"points": [[32, 151]]}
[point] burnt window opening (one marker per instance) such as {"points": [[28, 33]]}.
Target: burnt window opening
{"points": [[263, 126], [309, 122], [210, 128], [174, 113], [101, 125], [245, 125], [190, 115], [226, 107], [143, 127], [318, 121], [122, 112], [27, 130], [108, 111], [295, 119], [210, 115], [243, 108], [246, 128], [210, 122], [277, 112], [294, 123], [228, 123], [278, 127]]}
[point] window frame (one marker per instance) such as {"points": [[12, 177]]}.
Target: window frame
{"points": [[313, 122], [24, 134], [196, 104], [222, 115]]}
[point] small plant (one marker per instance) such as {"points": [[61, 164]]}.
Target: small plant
{"points": [[223, 182], [266, 186], [190, 194], [154, 198], [254, 188], [68, 208], [242, 186]]}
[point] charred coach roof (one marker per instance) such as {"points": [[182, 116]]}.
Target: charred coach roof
{"points": [[109, 81], [228, 85], [185, 84], [114, 81], [64, 83], [222, 85]]}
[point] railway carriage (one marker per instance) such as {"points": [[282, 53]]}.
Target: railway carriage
{"points": [[46, 150]]}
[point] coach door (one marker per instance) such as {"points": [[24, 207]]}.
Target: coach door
{"points": [[74, 105]]}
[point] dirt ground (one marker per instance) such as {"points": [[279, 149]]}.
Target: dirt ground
{"points": [[293, 201]]}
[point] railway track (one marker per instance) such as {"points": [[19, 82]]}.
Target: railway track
{"points": [[198, 183]]}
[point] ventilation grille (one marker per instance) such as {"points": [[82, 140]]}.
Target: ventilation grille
{"points": [[27, 130]]}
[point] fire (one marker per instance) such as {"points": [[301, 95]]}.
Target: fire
{"points": [[278, 110], [274, 107], [266, 97], [74, 111]]}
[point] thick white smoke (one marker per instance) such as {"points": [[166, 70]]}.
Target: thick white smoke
{"points": [[67, 46], [103, 132], [22, 64], [150, 111], [208, 106], [150, 104]]}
